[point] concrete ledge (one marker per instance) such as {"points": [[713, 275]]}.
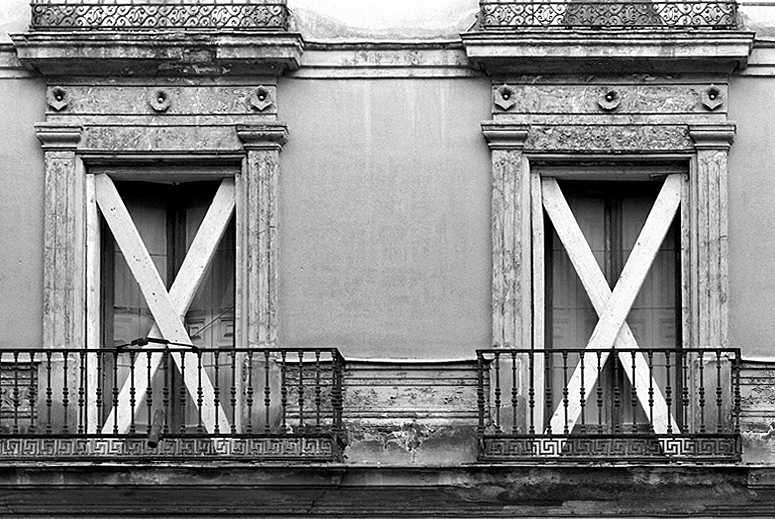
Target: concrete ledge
{"points": [[283, 490], [579, 51], [159, 53]]}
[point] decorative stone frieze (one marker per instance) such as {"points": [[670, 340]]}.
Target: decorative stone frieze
{"points": [[104, 99], [659, 98], [609, 138], [259, 214]]}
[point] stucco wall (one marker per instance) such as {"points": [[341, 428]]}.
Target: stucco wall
{"points": [[22, 102], [385, 210], [751, 220]]}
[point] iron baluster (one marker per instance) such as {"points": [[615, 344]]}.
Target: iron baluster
{"points": [[514, 401], [132, 391]]}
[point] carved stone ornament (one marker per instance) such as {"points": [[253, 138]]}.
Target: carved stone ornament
{"points": [[504, 97], [261, 98], [159, 100], [712, 97], [609, 100], [58, 98], [609, 138]]}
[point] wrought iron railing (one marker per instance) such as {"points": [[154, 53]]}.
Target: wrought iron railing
{"points": [[142, 402], [120, 15], [681, 14], [623, 404]]}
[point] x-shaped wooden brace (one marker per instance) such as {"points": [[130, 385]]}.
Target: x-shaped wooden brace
{"points": [[167, 308], [612, 308]]}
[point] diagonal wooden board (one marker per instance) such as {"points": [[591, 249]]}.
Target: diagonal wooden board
{"points": [[167, 308], [603, 299]]}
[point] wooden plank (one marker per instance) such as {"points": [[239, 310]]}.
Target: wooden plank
{"points": [[599, 292], [539, 293], [686, 264], [160, 303], [638, 264], [93, 303], [525, 308]]}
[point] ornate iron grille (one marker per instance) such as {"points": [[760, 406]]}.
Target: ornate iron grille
{"points": [[532, 408], [155, 15], [608, 14], [150, 403]]}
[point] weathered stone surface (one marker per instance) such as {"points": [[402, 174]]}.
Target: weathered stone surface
{"points": [[579, 99], [609, 139], [161, 138], [185, 100]]}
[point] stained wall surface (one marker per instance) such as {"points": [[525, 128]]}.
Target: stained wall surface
{"points": [[751, 216], [385, 211], [22, 104]]}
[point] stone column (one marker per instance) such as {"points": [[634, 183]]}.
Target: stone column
{"points": [[64, 265], [511, 286], [257, 233], [709, 227]]}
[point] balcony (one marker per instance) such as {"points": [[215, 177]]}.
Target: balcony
{"points": [[158, 37], [138, 403], [659, 405], [499, 15]]}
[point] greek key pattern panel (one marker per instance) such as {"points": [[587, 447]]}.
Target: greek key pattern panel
{"points": [[609, 138], [271, 15], [263, 448], [646, 447], [679, 14]]}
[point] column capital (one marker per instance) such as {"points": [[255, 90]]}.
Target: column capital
{"points": [[506, 136], [270, 136], [58, 136], [712, 136]]}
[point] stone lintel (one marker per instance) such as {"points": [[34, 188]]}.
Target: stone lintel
{"points": [[167, 53], [501, 136], [263, 136], [58, 136], [713, 136], [632, 50]]}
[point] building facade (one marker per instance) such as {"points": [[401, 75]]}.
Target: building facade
{"points": [[453, 259]]}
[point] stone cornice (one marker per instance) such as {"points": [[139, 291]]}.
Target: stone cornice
{"points": [[165, 53], [263, 136], [580, 51], [712, 136], [505, 136], [58, 136]]}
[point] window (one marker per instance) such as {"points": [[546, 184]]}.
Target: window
{"points": [[607, 253], [610, 216], [168, 272], [167, 217]]}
